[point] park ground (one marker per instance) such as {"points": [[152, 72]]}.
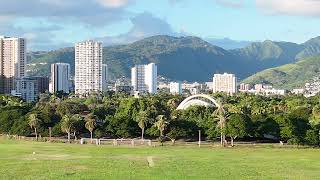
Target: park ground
{"points": [[44, 160]]}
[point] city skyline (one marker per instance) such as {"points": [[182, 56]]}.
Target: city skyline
{"points": [[120, 21]]}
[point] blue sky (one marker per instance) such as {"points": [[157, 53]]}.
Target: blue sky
{"points": [[51, 24]]}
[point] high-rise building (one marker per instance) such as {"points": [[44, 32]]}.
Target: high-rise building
{"points": [[225, 83], [104, 77], [144, 78], [88, 67], [26, 88], [43, 83], [176, 88], [12, 62], [60, 76]]}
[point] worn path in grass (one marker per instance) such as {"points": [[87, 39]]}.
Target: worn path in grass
{"points": [[71, 161]]}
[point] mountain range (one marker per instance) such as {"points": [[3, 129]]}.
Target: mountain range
{"points": [[188, 58]]}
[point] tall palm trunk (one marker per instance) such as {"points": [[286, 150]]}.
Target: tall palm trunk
{"points": [[222, 135], [35, 131], [91, 136], [232, 141], [68, 137], [142, 133], [74, 134], [221, 138]]}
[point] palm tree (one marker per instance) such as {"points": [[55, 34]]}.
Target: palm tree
{"points": [[34, 122], [173, 103], [161, 124], [91, 123], [221, 114], [77, 119], [12, 101], [142, 121], [67, 125]]}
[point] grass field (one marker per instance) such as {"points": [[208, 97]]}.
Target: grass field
{"points": [[71, 161]]}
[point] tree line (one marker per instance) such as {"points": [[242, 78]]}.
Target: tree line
{"points": [[291, 119]]}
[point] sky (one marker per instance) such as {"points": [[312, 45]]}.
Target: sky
{"points": [[53, 24]]}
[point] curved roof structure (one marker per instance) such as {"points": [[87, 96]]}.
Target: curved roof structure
{"points": [[197, 100]]}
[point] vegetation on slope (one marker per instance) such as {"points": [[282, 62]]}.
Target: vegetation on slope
{"points": [[288, 76], [312, 48], [181, 58]]}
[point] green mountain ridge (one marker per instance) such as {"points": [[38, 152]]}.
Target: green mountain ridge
{"points": [[288, 76], [185, 58], [180, 58], [312, 48]]}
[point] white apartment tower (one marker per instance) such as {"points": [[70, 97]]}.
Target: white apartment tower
{"points": [[104, 77], [60, 76], [176, 88], [225, 83], [88, 67], [12, 62], [144, 78]]}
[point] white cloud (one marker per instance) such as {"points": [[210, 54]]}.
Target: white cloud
{"points": [[144, 25], [91, 12], [114, 3], [290, 7], [20, 17]]}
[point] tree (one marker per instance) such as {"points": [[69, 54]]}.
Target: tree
{"points": [[175, 133], [90, 124], [12, 101], [312, 137], [34, 123], [237, 126], [315, 118], [161, 124], [67, 125], [142, 121], [222, 116], [264, 126], [78, 123], [293, 126]]}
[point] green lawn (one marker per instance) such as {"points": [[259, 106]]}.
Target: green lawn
{"points": [[65, 161]]}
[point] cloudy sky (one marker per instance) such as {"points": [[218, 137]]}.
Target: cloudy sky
{"points": [[51, 24]]}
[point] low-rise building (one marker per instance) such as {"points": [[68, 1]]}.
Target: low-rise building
{"points": [[122, 85], [27, 89], [244, 87], [298, 91]]}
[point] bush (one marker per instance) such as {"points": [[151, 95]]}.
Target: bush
{"points": [[56, 130], [312, 137]]}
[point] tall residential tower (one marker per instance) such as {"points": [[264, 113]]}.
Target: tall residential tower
{"points": [[12, 62], [60, 76], [225, 83], [88, 67], [144, 78]]}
